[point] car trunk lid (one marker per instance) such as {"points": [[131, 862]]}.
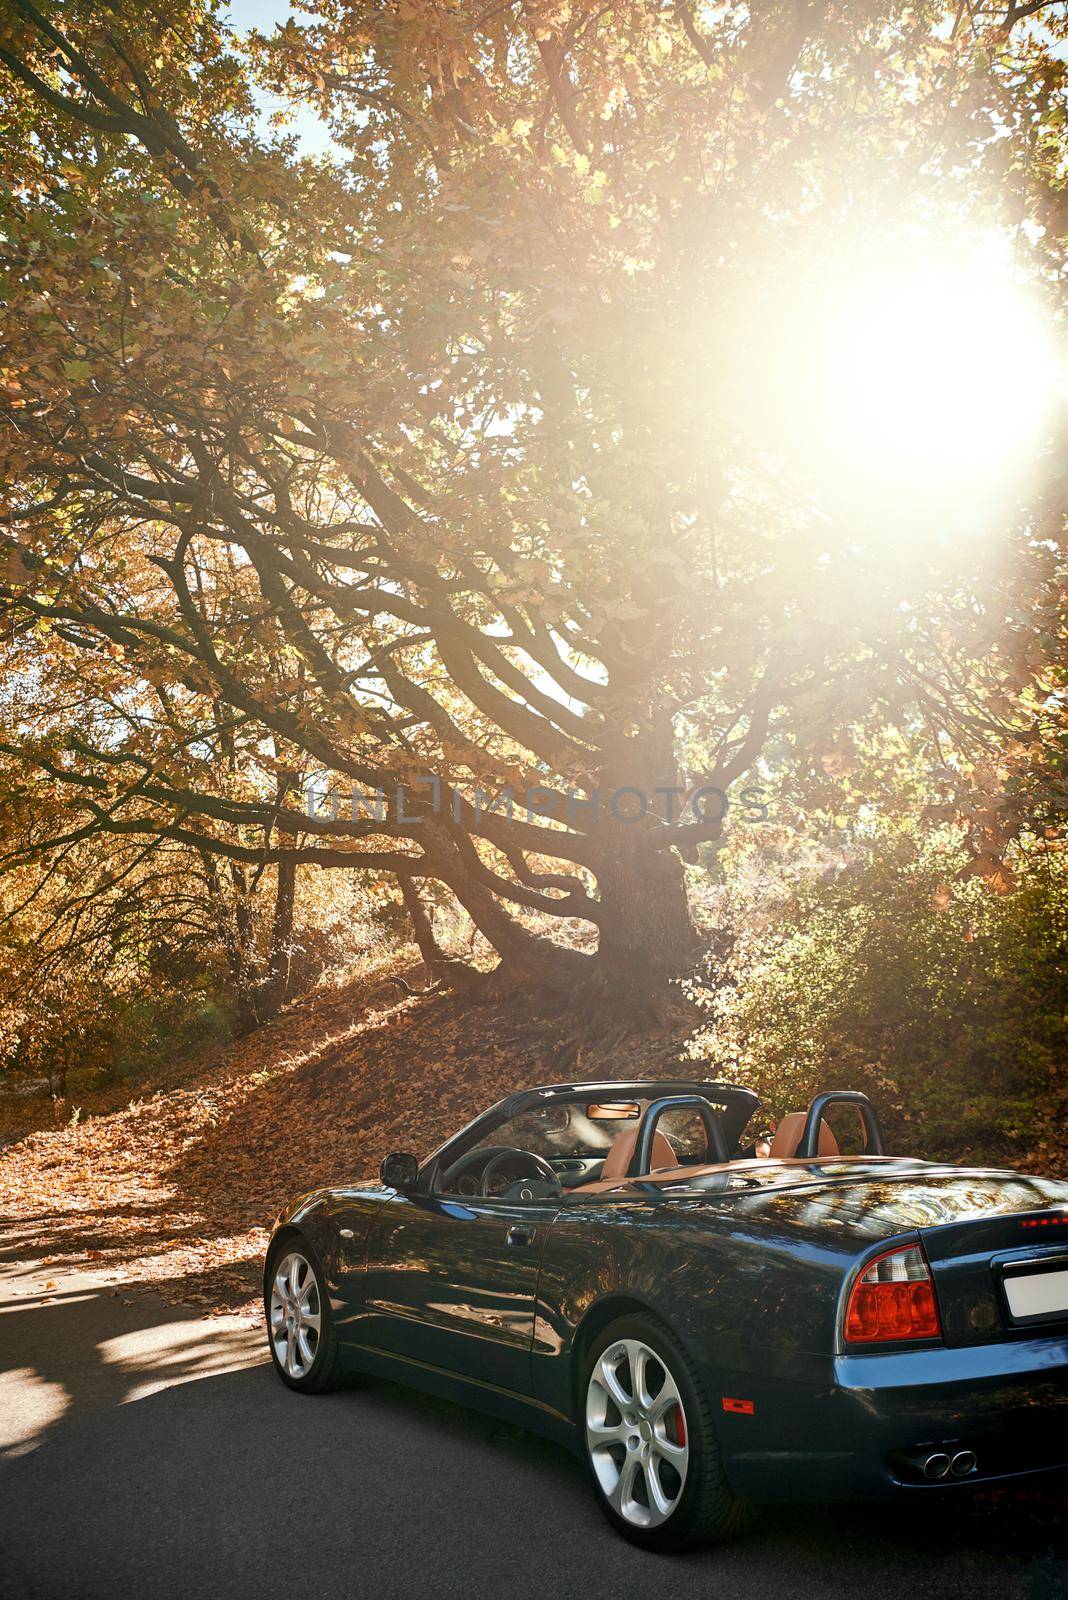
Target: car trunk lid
{"points": [[983, 1231], [1002, 1273]]}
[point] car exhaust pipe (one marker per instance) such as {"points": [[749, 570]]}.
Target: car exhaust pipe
{"points": [[963, 1463], [937, 1466]]}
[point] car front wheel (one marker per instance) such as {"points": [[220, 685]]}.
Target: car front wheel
{"points": [[300, 1329], [650, 1441]]}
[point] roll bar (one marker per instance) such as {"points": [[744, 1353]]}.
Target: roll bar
{"points": [[809, 1145], [643, 1148]]}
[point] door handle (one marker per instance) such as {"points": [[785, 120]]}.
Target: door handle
{"points": [[519, 1235]]}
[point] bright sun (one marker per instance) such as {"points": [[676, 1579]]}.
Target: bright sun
{"points": [[941, 375], [926, 385]]}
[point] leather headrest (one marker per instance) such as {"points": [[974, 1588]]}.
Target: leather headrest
{"points": [[788, 1137], [618, 1158]]}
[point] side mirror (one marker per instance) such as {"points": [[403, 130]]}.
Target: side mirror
{"points": [[400, 1170]]}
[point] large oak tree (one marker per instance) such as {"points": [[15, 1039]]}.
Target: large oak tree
{"points": [[462, 455]]}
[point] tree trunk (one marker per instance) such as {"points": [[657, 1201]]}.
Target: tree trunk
{"points": [[647, 936], [231, 923], [279, 966], [422, 927]]}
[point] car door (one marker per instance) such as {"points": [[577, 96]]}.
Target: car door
{"points": [[453, 1283]]}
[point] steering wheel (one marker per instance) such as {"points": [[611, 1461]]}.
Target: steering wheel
{"points": [[542, 1169]]}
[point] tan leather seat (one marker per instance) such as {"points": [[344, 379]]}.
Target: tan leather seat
{"points": [[618, 1158], [788, 1137]]}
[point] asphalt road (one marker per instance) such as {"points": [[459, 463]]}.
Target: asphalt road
{"points": [[146, 1452]]}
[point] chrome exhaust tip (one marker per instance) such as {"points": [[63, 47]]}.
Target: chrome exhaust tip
{"points": [[963, 1463], [937, 1466]]}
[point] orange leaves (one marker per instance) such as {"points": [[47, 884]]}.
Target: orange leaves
{"points": [[994, 872]]}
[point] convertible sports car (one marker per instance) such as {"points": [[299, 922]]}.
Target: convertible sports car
{"points": [[711, 1317]]}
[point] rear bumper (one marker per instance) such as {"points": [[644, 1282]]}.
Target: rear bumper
{"points": [[867, 1431]]}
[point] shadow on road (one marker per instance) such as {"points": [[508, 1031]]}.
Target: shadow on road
{"points": [[154, 1454]]}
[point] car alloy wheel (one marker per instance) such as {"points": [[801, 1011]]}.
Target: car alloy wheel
{"points": [[636, 1433], [296, 1315]]}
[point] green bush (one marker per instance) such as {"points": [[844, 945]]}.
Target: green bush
{"points": [[891, 973]]}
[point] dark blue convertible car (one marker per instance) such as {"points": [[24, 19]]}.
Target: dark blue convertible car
{"points": [[711, 1316]]}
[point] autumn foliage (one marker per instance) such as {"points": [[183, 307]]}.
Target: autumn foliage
{"points": [[461, 453]]}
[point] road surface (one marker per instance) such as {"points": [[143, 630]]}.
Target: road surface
{"points": [[147, 1452]]}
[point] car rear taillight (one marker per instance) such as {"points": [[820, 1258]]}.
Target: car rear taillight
{"points": [[893, 1298]]}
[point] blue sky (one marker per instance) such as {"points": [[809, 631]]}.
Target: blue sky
{"points": [[265, 15], [258, 13]]}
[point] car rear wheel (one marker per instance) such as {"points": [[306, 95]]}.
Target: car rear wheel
{"points": [[650, 1441], [300, 1329]]}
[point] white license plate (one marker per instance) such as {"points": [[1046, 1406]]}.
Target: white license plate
{"points": [[1037, 1294]]}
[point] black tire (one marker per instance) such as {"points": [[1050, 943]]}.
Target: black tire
{"points": [[326, 1371], [707, 1510]]}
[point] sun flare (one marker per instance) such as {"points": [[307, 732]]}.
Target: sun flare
{"points": [[933, 383], [938, 375]]}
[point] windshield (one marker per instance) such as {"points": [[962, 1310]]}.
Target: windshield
{"points": [[574, 1137]]}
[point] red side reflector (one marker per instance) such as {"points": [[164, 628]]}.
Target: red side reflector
{"points": [[740, 1408], [892, 1299]]}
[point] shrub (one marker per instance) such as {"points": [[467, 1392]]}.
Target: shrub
{"points": [[892, 973]]}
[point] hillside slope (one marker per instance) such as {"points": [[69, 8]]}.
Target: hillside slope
{"points": [[176, 1191]]}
